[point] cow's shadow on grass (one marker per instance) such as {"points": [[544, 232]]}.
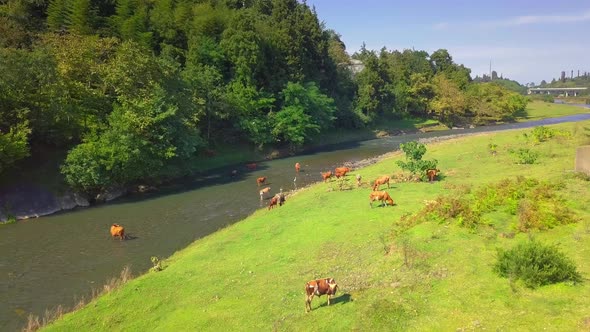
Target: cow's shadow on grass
{"points": [[342, 299]]}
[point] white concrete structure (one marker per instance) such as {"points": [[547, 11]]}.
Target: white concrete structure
{"points": [[557, 91]]}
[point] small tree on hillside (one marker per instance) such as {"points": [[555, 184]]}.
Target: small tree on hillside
{"points": [[414, 163]]}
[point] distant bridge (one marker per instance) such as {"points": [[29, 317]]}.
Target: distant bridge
{"points": [[558, 91]]}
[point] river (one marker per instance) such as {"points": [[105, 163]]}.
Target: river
{"points": [[60, 258]]}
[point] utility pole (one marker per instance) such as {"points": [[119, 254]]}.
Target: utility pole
{"points": [[490, 69]]}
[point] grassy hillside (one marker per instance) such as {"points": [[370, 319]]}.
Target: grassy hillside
{"points": [[394, 272]]}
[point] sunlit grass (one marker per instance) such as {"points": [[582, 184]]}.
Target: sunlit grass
{"points": [[537, 110]]}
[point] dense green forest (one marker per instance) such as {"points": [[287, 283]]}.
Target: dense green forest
{"points": [[137, 89]]}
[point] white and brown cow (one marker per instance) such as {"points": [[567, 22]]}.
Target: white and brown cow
{"points": [[319, 287]]}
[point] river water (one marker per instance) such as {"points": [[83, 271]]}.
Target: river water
{"points": [[60, 258]]}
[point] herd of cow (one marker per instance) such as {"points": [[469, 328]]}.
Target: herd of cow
{"points": [[325, 286]]}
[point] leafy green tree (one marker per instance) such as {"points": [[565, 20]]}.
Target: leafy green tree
{"points": [[144, 136], [490, 102], [449, 103], [27, 84], [20, 21], [420, 92], [151, 133], [241, 45], [441, 61], [414, 151], [337, 48], [370, 84], [251, 108], [14, 144], [306, 111], [79, 97]]}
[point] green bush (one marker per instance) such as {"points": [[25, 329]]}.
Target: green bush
{"points": [[14, 145], [548, 98], [542, 134], [157, 264], [414, 163], [493, 148], [525, 156], [536, 265]]}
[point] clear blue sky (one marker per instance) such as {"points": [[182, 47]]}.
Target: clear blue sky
{"points": [[527, 41]]}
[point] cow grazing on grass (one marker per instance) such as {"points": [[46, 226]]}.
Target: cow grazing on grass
{"points": [[341, 171], [251, 166], [382, 196], [319, 287], [297, 167], [382, 180], [263, 192], [326, 175], [261, 180], [118, 231], [273, 202], [431, 173]]}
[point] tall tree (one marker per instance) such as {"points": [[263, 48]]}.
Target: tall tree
{"points": [[306, 111], [449, 103], [131, 21], [82, 17], [57, 15]]}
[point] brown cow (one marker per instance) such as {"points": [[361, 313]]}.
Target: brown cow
{"points": [[118, 230], [341, 171], [326, 175], [297, 167], [264, 192], [273, 202], [382, 196], [431, 173], [251, 166], [319, 287], [382, 180], [261, 180]]}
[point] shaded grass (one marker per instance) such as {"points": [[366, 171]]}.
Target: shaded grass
{"points": [[392, 276]]}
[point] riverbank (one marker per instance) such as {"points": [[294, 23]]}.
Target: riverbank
{"points": [[394, 271], [37, 188]]}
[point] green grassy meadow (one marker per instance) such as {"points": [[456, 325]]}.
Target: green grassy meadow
{"points": [[537, 110], [393, 275]]}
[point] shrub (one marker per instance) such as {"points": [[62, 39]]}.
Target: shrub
{"points": [[525, 156], [414, 163], [542, 134], [536, 265], [493, 148], [157, 264]]}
